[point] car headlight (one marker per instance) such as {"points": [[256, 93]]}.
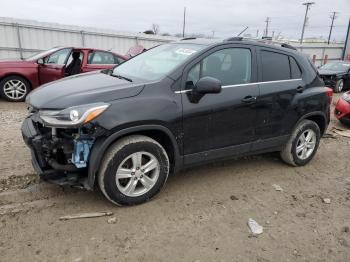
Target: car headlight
{"points": [[73, 116], [346, 96]]}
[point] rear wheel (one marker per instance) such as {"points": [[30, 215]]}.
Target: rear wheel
{"points": [[133, 170], [14, 88], [339, 86], [302, 145]]}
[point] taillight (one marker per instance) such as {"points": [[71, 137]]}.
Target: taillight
{"points": [[329, 92]]}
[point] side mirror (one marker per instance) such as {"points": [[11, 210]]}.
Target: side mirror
{"points": [[208, 85], [40, 61]]}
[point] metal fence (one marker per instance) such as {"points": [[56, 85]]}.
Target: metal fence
{"points": [[21, 38], [322, 53]]}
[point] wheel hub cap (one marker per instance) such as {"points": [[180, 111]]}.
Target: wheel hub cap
{"points": [[15, 89], [137, 174], [306, 144]]}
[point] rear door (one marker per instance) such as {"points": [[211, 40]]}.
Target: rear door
{"points": [[224, 120], [99, 60], [54, 66], [280, 83]]}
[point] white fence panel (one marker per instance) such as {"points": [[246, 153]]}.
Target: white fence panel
{"points": [[21, 38]]}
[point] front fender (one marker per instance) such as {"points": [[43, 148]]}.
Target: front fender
{"points": [[102, 144]]}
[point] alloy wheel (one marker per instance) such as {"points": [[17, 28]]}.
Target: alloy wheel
{"points": [[306, 144], [15, 89], [137, 174]]}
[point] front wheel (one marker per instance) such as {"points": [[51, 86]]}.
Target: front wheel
{"points": [[339, 86], [133, 170], [14, 88], [302, 145]]}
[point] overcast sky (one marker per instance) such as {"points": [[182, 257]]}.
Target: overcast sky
{"points": [[225, 17]]}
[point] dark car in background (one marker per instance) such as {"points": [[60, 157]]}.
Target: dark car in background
{"points": [[18, 78], [336, 74], [175, 106]]}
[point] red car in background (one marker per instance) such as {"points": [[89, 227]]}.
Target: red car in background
{"points": [[342, 109], [18, 78]]}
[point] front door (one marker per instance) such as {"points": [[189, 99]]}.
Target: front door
{"points": [[54, 66], [220, 124]]}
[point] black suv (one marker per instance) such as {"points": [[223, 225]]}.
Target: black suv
{"points": [[175, 106]]}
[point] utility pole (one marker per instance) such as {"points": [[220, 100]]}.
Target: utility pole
{"points": [[330, 30], [267, 21], [307, 4], [184, 23], [257, 33]]}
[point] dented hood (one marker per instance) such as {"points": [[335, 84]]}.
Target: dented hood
{"points": [[82, 89]]}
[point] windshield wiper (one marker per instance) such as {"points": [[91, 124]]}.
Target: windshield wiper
{"points": [[122, 77]]}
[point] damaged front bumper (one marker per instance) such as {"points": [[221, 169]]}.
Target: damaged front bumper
{"points": [[60, 155]]}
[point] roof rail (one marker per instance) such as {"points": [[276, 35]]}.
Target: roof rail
{"points": [[288, 46], [235, 38], [188, 38]]}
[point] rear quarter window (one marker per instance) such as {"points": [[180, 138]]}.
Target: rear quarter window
{"points": [[294, 68], [275, 66]]}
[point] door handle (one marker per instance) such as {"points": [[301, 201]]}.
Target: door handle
{"points": [[300, 89], [249, 99]]}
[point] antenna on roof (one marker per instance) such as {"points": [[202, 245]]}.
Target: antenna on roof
{"points": [[235, 38]]}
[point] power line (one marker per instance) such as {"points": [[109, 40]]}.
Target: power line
{"points": [[333, 16], [307, 4]]}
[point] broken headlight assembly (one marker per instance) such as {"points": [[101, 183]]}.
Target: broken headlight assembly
{"points": [[72, 117]]}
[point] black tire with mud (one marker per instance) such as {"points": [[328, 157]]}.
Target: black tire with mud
{"points": [[289, 155], [114, 157]]}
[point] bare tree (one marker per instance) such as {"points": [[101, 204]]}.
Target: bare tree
{"points": [[155, 29]]}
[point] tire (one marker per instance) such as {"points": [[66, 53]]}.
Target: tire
{"points": [[291, 153], [339, 86], [124, 156], [14, 88], [345, 122]]}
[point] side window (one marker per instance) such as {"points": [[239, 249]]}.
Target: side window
{"points": [[275, 66], [118, 60], [231, 66], [59, 57], [294, 68], [101, 58]]}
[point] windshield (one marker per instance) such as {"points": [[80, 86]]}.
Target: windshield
{"points": [[338, 66], [41, 54], [157, 62]]}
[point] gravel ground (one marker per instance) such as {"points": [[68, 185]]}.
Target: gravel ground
{"points": [[201, 215]]}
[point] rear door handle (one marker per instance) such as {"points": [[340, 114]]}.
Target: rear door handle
{"points": [[249, 99], [300, 89]]}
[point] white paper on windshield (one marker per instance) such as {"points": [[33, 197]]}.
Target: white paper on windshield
{"points": [[185, 51]]}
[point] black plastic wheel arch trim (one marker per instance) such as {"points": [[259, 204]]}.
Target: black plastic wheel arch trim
{"points": [[101, 145]]}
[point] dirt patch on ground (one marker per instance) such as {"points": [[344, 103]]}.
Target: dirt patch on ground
{"points": [[201, 215]]}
